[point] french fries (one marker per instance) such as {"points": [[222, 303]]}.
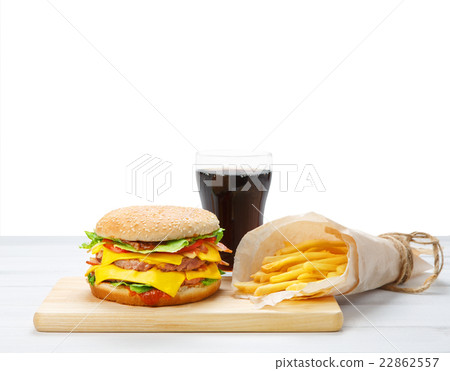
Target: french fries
{"points": [[294, 259], [248, 287], [271, 259], [289, 248], [294, 266], [331, 249], [286, 276], [310, 277], [319, 267], [296, 287], [274, 287], [262, 277]]}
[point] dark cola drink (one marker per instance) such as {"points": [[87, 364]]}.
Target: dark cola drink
{"points": [[237, 197]]}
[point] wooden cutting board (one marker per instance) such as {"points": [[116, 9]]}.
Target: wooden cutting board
{"points": [[70, 307]]}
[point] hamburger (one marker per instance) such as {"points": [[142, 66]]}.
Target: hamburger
{"points": [[155, 255]]}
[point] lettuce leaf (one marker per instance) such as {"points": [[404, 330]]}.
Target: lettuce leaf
{"points": [[136, 287], [166, 246], [91, 278], [218, 234], [171, 246], [208, 281], [95, 239]]}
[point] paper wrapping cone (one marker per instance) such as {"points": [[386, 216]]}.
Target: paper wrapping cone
{"points": [[372, 261]]}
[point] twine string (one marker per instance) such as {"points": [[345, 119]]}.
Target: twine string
{"points": [[402, 243]]}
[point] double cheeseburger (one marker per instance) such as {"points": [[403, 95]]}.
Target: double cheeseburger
{"points": [[155, 255]]}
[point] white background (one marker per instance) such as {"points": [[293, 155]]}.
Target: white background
{"points": [[225, 74]]}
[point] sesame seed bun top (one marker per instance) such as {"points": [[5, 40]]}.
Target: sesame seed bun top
{"points": [[156, 223]]}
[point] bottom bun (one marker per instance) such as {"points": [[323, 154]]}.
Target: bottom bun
{"points": [[186, 294]]}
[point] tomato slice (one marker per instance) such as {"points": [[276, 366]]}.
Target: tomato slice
{"points": [[187, 249], [210, 239], [152, 297], [197, 246], [191, 248], [114, 248]]}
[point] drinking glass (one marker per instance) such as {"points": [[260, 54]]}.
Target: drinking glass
{"points": [[234, 186]]}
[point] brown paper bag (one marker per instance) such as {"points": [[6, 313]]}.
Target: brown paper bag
{"points": [[372, 261]]}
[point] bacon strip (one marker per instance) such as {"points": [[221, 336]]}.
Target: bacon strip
{"points": [[221, 247], [134, 264], [140, 245], [194, 281], [93, 261], [186, 265]]}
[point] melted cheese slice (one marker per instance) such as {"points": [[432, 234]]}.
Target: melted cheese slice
{"points": [[212, 255], [153, 258], [97, 248], [91, 269], [211, 272], [190, 255], [110, 257], [168, 282]]}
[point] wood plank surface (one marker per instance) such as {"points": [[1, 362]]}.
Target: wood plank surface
{"points": [[386, 320], [70, 307]]}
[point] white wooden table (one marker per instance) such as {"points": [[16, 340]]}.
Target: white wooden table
{"points": [[30, 266]]}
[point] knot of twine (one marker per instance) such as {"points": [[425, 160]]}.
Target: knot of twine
{"points": [[402, 243]]}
